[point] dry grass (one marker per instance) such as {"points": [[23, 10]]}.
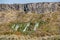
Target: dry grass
{"points": [[49, 23]]}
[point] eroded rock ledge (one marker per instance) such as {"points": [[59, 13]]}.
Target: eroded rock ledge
{"points": [[44, 7]]}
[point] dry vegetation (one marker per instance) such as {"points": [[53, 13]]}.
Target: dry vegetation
{"points": [[47, 23]]}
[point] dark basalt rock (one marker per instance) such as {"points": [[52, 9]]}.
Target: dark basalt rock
{"points": [[44, 7]]}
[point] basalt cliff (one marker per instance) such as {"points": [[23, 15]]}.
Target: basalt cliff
{"points": [[44, 7]]}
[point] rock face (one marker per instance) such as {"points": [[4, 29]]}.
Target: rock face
{"points": [[33, 7]]}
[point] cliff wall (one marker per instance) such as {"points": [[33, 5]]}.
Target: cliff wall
{"points": [[33, 7]]}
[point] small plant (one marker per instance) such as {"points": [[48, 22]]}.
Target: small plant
{"points": [[22, 27], [28, 27], [36, 26]]}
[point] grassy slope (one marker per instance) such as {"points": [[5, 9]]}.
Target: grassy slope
{"points": [[51, 27]]}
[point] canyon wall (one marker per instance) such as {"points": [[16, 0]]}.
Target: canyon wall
{"points": [[33, 7]]}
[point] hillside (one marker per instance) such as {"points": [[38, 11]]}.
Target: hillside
{"points": [[28, 21], [49, 23]]}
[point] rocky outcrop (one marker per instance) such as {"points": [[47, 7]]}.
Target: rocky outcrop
{"points": [[33, 7], [42, 7]]}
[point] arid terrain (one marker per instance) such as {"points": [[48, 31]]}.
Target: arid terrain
{"points": [[29, 25], [49, 23]]}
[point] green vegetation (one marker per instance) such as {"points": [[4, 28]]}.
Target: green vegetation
{"points": [[28, 27], [31, 23]]}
